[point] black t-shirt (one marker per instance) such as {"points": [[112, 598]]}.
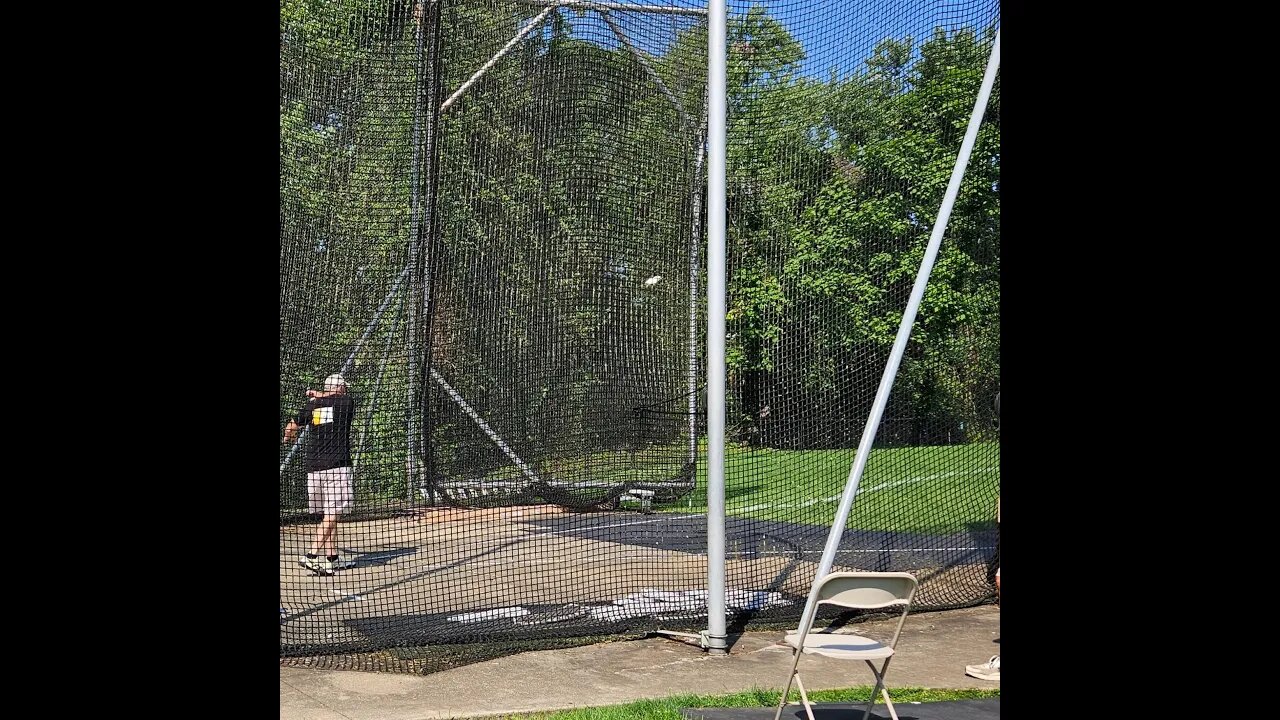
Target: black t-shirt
{"points": [[328, 423]]}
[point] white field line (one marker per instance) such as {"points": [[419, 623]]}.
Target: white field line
{"points": [[877, 488]]}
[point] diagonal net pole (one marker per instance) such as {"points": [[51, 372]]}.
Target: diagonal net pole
{"points": [[648, 68], [346, 366], [900, 342], [534, 24]]}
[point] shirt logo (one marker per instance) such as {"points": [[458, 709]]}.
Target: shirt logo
{"points": [[322, 416]]}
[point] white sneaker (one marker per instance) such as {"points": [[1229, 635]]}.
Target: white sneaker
{"points": [[318, 566], [989, 670]]}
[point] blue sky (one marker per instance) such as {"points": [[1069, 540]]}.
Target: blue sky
{"points": [[834, 33], [843, 33]]}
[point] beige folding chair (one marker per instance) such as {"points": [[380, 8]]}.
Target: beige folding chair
{"points": [[858, 591]]}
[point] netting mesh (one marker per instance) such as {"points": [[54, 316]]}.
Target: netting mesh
{"points": [[493, 224]]}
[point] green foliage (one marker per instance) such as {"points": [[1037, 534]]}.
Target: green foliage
{"points": [[834, 189], [567, 154]]}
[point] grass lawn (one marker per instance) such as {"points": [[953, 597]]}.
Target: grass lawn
{"points": [[940, 488], [669, 708], [931, 489]]}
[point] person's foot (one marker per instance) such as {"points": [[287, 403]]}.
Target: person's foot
{"points": [[989, 670], [316, 565]]}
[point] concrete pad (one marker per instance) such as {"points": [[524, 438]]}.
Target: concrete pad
{"points": [[933, 652]]}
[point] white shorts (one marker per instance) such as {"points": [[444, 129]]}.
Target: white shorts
{"points": [[329, 491]]}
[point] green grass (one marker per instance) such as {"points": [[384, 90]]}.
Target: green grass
{"points": [[902, 489], [913, 489], [920, 489], [669, 708]]}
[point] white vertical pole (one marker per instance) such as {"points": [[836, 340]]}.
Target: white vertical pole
{"points": [[904, 332], [717, 41]]}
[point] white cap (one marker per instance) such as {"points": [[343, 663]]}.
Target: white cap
{"points": [[334, 381]]}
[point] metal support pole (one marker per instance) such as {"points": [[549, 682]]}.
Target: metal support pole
{"points": [[717, 41]]}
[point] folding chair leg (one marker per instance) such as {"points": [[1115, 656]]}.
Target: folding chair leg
{"points": [[888, 703], [804, 698], [782, 701], [880, 688]]}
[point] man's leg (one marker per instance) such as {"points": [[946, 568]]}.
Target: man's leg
{"points": [[332, 498], [323, 547], [326, 536], [315, 504], [339, 504]]}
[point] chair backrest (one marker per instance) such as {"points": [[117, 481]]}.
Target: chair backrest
{"points": [[867, 590]]}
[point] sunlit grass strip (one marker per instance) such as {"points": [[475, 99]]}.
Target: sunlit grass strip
{"points": [[669, 708]]}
